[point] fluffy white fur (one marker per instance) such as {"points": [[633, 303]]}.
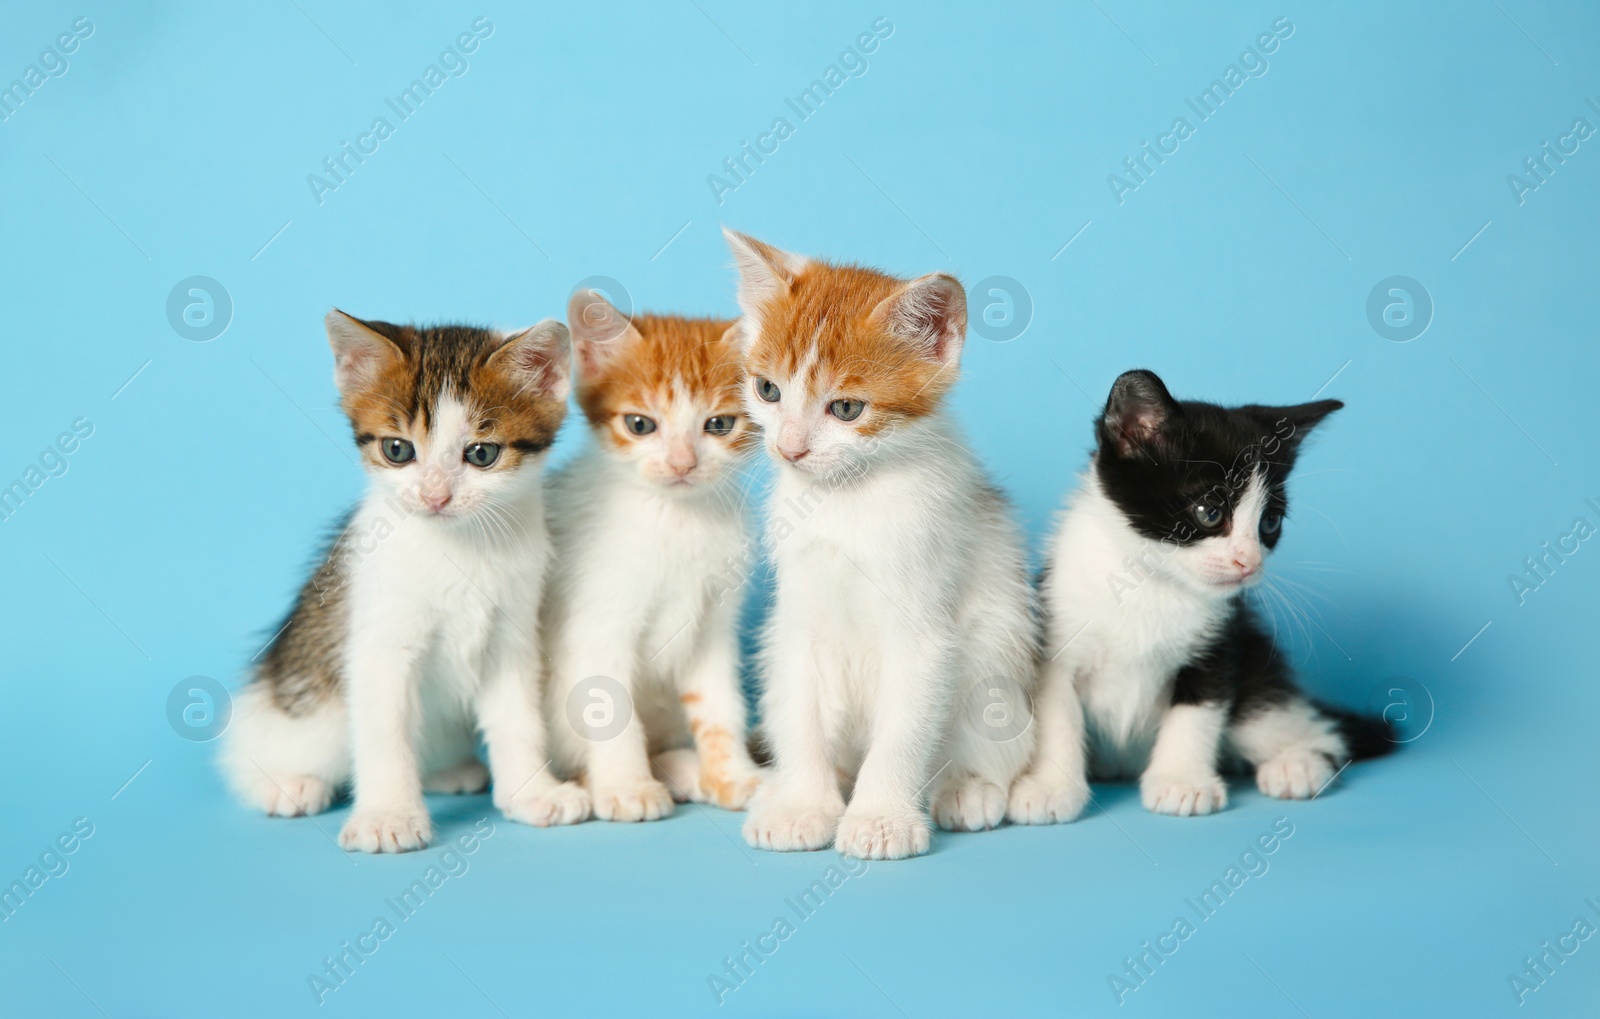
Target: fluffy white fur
{"points": [[1125, 614], [653, 557], [900, 590], [442, 598]]}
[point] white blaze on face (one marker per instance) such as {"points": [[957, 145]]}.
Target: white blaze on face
{"points": [[1227, 562], [799, 430], [1244, 538], [680, 452], [798, 412], [439, 459]]}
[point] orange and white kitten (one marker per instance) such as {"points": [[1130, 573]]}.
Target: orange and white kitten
{"points": [[900, 649], [648, 521]]}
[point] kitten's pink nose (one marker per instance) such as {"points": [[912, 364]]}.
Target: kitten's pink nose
{"points": [[794, 456], [682, 461], [436, 501], [1246, 568]]}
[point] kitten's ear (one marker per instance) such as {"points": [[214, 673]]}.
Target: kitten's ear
{"points": [[360, 351], [765, 272], [1139, 408], [1292, 424], [538, 359], [736, 337], [599, 331], [930, 313]]}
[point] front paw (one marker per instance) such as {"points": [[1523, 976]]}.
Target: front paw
{"points": [[1183, 794], [730, 789], [565, 803], [644, 799], [782, 826], [1038, 799], [387, 831], [891, 836], [971, 804], [1294, 776], [294, 795]]}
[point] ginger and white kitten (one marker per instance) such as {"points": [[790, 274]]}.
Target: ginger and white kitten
{"points": [[417, 627], [641, 617], [901, 644], [1149, 637]]}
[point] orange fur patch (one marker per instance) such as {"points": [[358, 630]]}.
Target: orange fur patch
{"points": [[714, 745], [689, 352], [829, 311]]}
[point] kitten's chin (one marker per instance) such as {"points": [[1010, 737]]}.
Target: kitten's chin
{"points": [[1226, 587], [679, 486]]}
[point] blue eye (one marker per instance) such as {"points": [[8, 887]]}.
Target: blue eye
{"points": [[722, 424], [1271, 523], [766, 390], [846, 410], [398, 451], [638, 424], [1207, 515], [481, 454]]}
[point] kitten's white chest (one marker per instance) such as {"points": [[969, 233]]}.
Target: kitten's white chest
{"points": [[1123, 632]]}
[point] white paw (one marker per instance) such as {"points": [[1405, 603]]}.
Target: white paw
{"points": [[642, 800], [387, 831], [1184, 795], [1294, 776], [565, 803], [971, 804], [882, 836], [468, 776], [787, 827], [1039, 799], [293, 795]]}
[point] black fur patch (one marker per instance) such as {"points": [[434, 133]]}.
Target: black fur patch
{"points": [[1159, 457]]}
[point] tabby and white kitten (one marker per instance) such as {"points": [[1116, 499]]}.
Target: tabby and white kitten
{"points": [[902, 598], [1148, 634], [641, 615], [417, 627]]}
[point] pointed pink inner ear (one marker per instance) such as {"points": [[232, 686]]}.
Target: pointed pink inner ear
{"points": [[931, 312], [537, 359], [765, 272], [1139, 427], [599, 330], [360, 353]]}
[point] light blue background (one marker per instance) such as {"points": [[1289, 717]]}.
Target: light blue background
{"points": [[979, 142]]}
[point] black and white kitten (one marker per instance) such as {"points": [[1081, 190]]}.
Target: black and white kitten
{"points": [[1155, 664]]}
